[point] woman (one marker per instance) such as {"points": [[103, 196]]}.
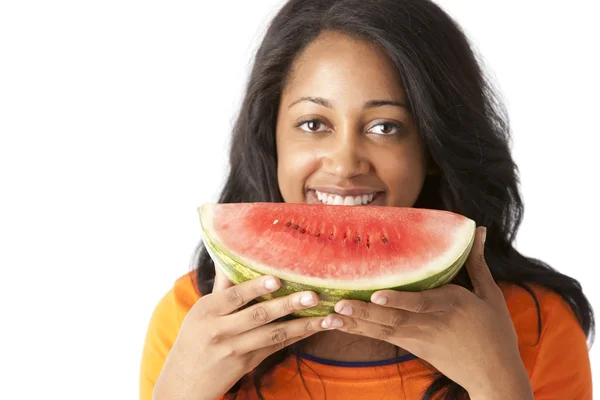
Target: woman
{"points": [[352, 97]]}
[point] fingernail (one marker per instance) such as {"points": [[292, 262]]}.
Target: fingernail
{"points": [[381, 300], [336, 322], [271, 284], [346, 310], [307, 300], [484, 234], [325, 324]]}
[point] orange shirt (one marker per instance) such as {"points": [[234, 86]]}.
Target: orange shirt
{"points": [[558, 364]]}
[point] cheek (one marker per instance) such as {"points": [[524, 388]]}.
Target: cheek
{"points": [[294, 166], [403, 172]]}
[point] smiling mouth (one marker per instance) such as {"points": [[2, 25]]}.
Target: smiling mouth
{"points": [[357, 199]]}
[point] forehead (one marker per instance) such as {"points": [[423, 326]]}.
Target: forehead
{"points": [[337, 66]]}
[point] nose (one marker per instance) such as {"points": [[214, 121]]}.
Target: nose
{"points": [[345, 158]]}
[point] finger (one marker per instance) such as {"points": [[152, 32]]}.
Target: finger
{"points": [[267, 311], [221, 281], [479, 272], [261, 354], [427, 301], [278, 335], [374, 330], [236, 296], [381, 315]]}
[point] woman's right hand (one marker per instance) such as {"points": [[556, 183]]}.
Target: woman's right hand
{"points": [[218, 343]]}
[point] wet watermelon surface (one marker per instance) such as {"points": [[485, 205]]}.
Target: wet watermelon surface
{"points": [[336, 242]]}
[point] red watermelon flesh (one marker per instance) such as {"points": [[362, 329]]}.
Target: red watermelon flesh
{"points": [[339, 246]]}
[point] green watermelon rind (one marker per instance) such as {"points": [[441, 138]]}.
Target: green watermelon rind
{"points": [[238, 271]]}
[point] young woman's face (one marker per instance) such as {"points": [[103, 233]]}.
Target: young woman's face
{"points": [[344, 134]]}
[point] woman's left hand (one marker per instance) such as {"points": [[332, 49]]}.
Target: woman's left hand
{"points": [[467, 336]]}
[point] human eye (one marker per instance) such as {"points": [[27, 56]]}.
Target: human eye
{"points": [[386, 128], [312, 125]]}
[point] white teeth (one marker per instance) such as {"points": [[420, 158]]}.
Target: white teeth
{"points": [[334, 199]]}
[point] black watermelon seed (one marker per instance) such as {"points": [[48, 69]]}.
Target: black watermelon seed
{"points": [[296, 227], [288, 224], [358, 239], [303, 230], [384, 240], [318, 234]]}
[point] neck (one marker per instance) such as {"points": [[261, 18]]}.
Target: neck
{"points": [[341, 346]]}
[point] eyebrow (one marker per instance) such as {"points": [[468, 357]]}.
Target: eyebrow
{"points": [[368, 104]]}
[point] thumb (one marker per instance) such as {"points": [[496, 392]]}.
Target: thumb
{"points": [[221, 281], [479, 272]]}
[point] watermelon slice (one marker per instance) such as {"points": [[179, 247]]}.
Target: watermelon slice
{"points": [[337, 251]]}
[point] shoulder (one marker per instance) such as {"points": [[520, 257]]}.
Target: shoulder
{"points": [[552, 343], [171, 309], [163, 329], [178, 300], [523, 305], [185, 291]]}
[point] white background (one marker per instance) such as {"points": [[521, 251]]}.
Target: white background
{"points": [[114, 122]]}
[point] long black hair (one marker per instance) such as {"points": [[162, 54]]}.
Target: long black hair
{"points": [[455, 108]]}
